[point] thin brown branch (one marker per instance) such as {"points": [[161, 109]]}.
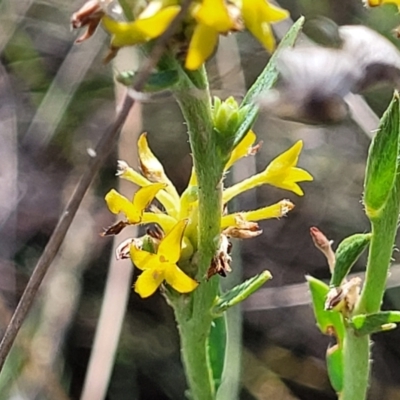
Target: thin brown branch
{"points": [[103, 149]]}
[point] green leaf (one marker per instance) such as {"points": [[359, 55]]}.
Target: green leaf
{"points": [[329, 322], [216, 349], [382, 161], [347, 253], [372, 323], [334, 363], [265, 81], [240, 292], [157, 81]]}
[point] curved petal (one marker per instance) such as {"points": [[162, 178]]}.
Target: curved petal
{"points": [[152, 169], [299, 175], [170, 247], [143, 259], [201, 46], [148, 282], [165, 221], [214, 14], [243, 149], [179, 280], [145, 195], [154, 26], [287, 159], [124, 33], [118, 203], [257, 15]]}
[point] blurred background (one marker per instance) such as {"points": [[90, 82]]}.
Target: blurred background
{"points": [[89, 336]]}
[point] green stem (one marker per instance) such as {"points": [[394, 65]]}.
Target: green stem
{"points": [[384, 230], [356, 362], [357, 349], [194, 317]]}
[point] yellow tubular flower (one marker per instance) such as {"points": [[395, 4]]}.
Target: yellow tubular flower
{"points": [[152, 169], [134, 209], [212, 19], [281, 172], [243, 149], [275, 211], [257, 16], [162, 265], [140, 30], [129, 174]]}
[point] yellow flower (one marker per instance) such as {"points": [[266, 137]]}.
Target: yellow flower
{"points": [[281, 172], [141, 30], [274, 211], [212, 19], [376, 3], [258, 15], [162, 266], [243, 149], [134, 209]]}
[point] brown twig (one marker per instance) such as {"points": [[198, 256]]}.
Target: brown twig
{"points": [[103, 149]]}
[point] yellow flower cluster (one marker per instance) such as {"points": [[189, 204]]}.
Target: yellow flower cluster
{"points": [[199, 33], [376, 3], [178, 219]]}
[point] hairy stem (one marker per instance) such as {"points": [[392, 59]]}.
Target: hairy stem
{"points": [[194, 316]]}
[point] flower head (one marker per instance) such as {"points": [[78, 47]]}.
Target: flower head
{"points": [[281, 172], [133, 210], [162, 266], [197, 36], [177, 218], [258, 15]]}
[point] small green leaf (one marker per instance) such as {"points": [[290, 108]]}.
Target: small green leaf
{"points": [[240, 292], [216, 349], [157, 81], [265, 81], [372, 323], [334, 363], [347, 253], [382, 161], [328, 321]]}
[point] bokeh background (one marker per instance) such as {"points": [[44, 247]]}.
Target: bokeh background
{"points": [[89, 336]]}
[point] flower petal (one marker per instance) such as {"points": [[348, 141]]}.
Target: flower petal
{"points": [[145, 195], [148, 282], [274, 211], [257, 15], [118, 203], [141, 30], [152, 169], [165, 221], [287, 159], [124, 33], [201, 46], [214, 14], [154, 26], [243, 149], [128, 173], [179, 280], [170, 247], [143, 259]]}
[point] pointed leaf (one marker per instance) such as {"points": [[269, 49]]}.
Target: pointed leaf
{"points": [[382, 160], [240, 292], [382, 321], [265, 81], [348, 252]]}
